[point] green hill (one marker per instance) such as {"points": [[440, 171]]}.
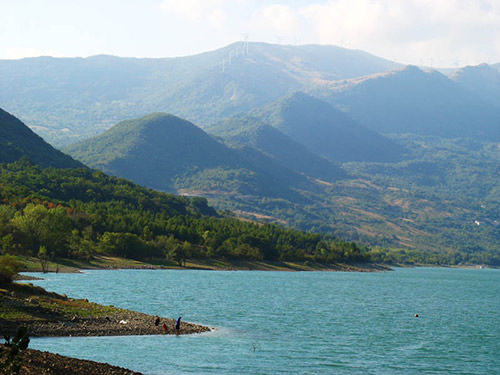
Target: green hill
{"points": [[167, 153], [77, 213], [17, 141], [253, 132], [327, 131], [410, 100], [74, 98]]}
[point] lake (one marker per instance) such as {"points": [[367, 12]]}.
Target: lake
{"points": [[297, 322]]}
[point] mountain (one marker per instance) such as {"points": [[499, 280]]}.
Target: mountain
{"points": [[327, 131], [167, 153], [17, 141], [67, 99], [250, 131], [410, 100], [431, 201], [482, 80]]}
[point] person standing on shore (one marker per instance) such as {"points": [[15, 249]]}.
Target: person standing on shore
{"points": [[178, 324]]}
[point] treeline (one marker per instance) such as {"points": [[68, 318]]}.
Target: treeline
{"points": [[441, 258], [76, 213]]}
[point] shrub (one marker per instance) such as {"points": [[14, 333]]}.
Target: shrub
{"points": [[9, 266]]}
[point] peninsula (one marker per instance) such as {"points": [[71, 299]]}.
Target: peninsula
{"points": [[49, 314]]}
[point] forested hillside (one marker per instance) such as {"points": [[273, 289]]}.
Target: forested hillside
{"points": [[167, 153], [69, 99], [17, 140], [76, 213], [428, 203]]}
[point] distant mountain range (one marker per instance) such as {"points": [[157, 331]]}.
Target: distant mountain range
{"points": [[67, 99], [17, 141], [410, 100], [327, 131], [483, 80]]}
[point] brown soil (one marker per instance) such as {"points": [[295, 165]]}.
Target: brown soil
{"points": [[35, 362]]}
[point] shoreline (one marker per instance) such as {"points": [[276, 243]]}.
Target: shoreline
{"points": [[112, 263], [36, 362], [47, 314]]}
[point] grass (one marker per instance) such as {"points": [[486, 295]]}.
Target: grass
{"points": [[109, 262], [25, 302]]}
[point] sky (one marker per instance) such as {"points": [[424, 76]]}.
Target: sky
{"points": [[439, 33]]}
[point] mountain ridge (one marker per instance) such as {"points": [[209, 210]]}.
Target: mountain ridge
{"points": [[410, 100], [167, 153], [50, 93], [482, 80], [17, 140], [250, 131], [327, 131]]}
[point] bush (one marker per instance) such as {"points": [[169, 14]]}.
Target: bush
{"points": [[9, 267]]}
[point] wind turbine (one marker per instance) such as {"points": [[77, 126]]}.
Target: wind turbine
{"points": [[245, 41]]}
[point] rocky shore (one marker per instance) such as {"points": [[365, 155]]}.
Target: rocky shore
{"points": [[129, 323], [35, 362], [49, 314]]}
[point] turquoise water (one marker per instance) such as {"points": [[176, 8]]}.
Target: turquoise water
{"points": [[297, 322]]}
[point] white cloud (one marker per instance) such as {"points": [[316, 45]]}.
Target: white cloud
{"points": [[194, 10], [275, 18], [217, 19], [442, 30]]}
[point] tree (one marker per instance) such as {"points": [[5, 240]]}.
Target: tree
{"points": [[127, 245], [179, 254], [12, 347], [39, 225], [32, 223], [43, 257]]}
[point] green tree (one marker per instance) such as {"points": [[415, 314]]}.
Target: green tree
{"points": [[9, 267], [127, 245], [43, 257], [39, 225]]}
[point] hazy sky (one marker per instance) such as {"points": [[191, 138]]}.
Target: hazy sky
{"points": [[441, 33]]}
